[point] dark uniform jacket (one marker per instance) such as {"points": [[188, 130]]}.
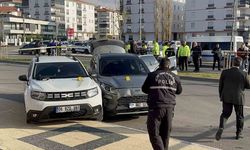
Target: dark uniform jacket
{"points": [[161, 87], [233, 82], [217, 52], [196, 51]]}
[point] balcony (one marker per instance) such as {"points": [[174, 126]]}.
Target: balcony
{"points": [[129, 22], [229, 5], [243, 28], [229, 17], [243, 17], [210, 17], [37, 13], [243, 4], [229, 28], [211, 6], [128, 2], [46, 4], [46, 13], [129, 31]]}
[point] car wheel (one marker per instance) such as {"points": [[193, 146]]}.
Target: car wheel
{"points": [[73, 51], [28, 120], [100, 116], [86, 51]]}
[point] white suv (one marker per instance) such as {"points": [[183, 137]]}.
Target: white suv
{"points": [[60, 88]]}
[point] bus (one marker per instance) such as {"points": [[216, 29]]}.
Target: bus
{"points": [[207, 44]]}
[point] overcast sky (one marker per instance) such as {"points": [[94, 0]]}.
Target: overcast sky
{"points": [[107, 3]]}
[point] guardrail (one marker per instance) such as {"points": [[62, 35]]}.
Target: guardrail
{"points": [[55, 50], [230, 55]]}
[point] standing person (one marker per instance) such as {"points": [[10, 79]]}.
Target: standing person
{"points": [[133, 47], [217, 56], [156, 49], [196, 56], [161, 86], [183, 55], [164, 49], [127, 47], [242, 53], [233, 82]]}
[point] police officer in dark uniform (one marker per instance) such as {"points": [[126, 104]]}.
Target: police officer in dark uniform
{"points": [[161, 86]]}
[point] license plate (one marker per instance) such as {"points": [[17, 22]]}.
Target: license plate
{"points": [[63, 109], [137, 105]]}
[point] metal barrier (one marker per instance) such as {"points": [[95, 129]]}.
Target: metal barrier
{"points": [[230, 55]]}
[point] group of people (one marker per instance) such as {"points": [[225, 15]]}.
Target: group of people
{"points": [[162, 86]]}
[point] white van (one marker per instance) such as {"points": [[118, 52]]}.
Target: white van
{"points": [[207, 44]]}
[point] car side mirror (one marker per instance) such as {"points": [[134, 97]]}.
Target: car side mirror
{"points": [[23, 78]]}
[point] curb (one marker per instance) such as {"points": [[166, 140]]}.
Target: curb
{"points": [[199, 79], [14, 62]]}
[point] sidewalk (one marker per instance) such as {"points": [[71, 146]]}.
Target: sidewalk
{"points": [[82, 135]]}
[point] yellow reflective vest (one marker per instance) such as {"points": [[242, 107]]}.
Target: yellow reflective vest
{"points": [[184, 51], [164, 50], [156, 49], [127, 47]]}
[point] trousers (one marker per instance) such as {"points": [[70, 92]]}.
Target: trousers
{"points": [[159, 126], [226, 113]]}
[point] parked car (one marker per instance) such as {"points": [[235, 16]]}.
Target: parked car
{"points": [[150, 61], [59, 87], [81, 48], [32, 47], [121, 76]]}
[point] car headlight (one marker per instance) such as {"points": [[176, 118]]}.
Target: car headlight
{"points": [[38, 95], [108, 88], [92, 92]]}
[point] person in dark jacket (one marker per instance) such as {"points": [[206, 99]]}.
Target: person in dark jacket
{"points": [[233, 82], [161, 86], [196, 56], [217, 56]]}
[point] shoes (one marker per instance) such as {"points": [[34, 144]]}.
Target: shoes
{"points": [[218, 134], [239, 136]]}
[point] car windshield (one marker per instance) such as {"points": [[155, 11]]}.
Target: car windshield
{"points": [[122, 66], [58, 70], [149, 60]]}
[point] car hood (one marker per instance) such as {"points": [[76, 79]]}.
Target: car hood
{"points": [[63, 85], [124, 81]]}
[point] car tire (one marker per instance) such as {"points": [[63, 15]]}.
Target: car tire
{"points": [[28, 120], [100, 116]]}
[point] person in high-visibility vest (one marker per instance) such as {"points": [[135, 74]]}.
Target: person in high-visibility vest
{"points": [[164, 49], [127, 47], [183, 55], [144, 47], [156, 49]]}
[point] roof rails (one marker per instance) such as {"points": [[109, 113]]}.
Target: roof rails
{"points": [[37, 58]]}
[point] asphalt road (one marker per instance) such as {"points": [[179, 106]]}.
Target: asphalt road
{"points": [[196, 114]]}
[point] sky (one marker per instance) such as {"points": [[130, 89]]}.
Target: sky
{"points": [[107, 3]]}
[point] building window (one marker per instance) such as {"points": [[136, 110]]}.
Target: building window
{"points": [[229, 24], [210, 26], [79, 27], [130, 37], [211, 34], [129, 2]]}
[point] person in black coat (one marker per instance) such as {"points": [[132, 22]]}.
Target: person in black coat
{"points": [[217, 55], [161, 86], [233, 82], [196, 56]]}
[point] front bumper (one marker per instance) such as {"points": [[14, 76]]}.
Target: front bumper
{"points": [[121, 105], [49, 113]]}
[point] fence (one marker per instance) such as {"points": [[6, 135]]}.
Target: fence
{"points": [[230, 55]]}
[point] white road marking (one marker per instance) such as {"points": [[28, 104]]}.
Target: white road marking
{"points": [[246, 107]]}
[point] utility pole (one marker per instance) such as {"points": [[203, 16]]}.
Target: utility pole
{"points": [[235, 10], [24, 29], [140, 18]]}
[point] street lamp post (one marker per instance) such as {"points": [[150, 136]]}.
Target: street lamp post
{"points": [[235, 9], [140, 23], [24, 29]]}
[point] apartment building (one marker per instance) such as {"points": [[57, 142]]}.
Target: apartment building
{"points": [[216, 18], [140, 21], [80, 17], [14, 29], [75, 15], [107, 25]]}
